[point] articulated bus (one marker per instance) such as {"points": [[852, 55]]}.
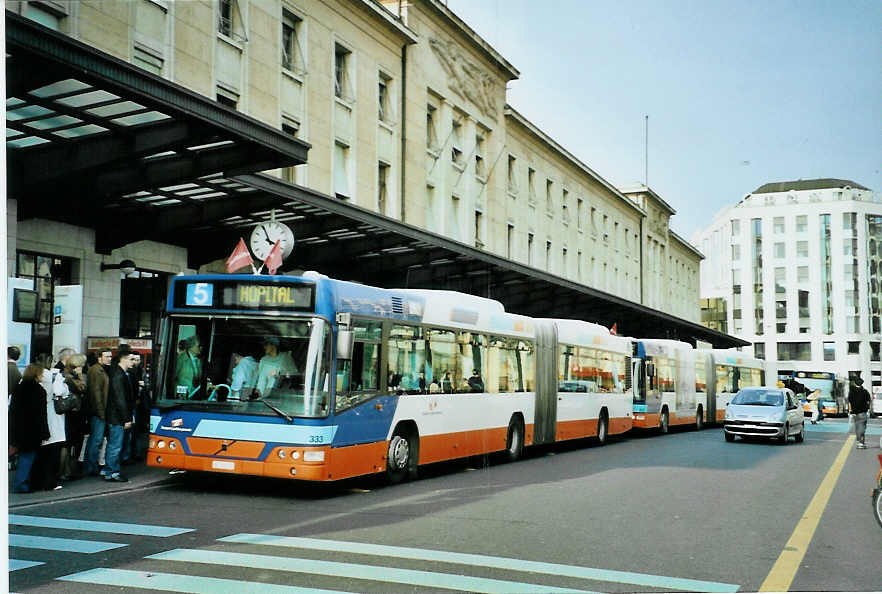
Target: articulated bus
{"points": [[665, 394], [728, 372], [312, 378], [319, 379]]}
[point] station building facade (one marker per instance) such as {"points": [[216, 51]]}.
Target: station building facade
{"points": [[797, 264], [404, 107]]}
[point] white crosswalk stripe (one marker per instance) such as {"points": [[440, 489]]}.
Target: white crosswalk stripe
{"points": [[57, 543]]}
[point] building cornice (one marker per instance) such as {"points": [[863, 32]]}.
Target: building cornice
{"points": [[642, 189], [510, 72], [374, 7], [512, 114], [685, 244]]}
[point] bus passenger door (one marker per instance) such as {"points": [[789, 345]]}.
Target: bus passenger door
{"points": [[545, 421], [638, 385]]}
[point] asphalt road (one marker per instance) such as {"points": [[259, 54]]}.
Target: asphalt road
{"points": [[681, 512]]}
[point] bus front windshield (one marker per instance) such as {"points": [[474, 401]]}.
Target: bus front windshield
{"points": [[247, 363]]}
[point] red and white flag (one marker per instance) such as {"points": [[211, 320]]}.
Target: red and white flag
{"points": [[613, 329], [274, 258], [240, 257]]}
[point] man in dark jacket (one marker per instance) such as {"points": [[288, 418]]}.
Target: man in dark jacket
{"points": [[859, 405], [97, 387], [118, 415], [28, 425]]}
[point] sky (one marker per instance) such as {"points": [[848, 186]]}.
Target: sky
{"points": [[738, 94]]}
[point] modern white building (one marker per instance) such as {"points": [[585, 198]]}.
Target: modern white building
{"points": [[798, 264]]}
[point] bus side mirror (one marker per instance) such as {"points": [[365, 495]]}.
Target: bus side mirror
{"points": [[345, 342]]}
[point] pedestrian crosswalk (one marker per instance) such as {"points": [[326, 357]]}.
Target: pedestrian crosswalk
{"points": [[75, 545], [248, 562]]}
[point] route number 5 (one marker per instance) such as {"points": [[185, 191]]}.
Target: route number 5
{"points": [[200, 294]]}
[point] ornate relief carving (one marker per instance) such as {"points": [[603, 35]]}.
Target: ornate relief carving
{"points": [[465, 78]]}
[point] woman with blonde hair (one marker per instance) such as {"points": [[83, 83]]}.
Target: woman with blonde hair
{"points": [[28, 425], [75, 419]]}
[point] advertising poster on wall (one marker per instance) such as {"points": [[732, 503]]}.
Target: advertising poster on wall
{"points": [[67, 318]]}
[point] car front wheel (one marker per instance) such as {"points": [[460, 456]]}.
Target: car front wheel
{"points": [[800, 437], [782, 439]]}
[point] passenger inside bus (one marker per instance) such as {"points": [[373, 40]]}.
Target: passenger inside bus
{"points": [[475, 383], [244, 376], [273, 366], [189, 368]]}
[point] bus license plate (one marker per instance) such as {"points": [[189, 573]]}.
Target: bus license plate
{"points": [[223, 465]]}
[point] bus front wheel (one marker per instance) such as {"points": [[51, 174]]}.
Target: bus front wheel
{"points": [[663, 422]]}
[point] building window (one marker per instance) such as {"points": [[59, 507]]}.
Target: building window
{"points": [[43, 14], [874, 351], [780, 280], [479, 224], [780, 251], [580, 208], [47, 272], [148, 59], [829, 351], [230, 21], [794, 351], [341, 171], [456, 143], [431, 129], [549, 201], [228, 97], [384, 113], [292, 54], [563, 262], [531, 185], [736, 252], [142, 301], [292, 128], [529, 249], [849, 221], [736, 227], [759, 350], [854, 347], [564, 213], [342, 76], [826, 275], [802, 249], [512, 175], [778, 225], [548, 256], [479, 156], [382, 182], [802, 274], [509, 241], [804, 317]]}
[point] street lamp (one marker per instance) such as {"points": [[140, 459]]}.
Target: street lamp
{"points": [[126, 266]]}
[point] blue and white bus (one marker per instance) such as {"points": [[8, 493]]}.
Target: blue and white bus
{"points": [[318, 379]]}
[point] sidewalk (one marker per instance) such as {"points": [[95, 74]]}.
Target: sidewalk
{"points": [[140, 475]]}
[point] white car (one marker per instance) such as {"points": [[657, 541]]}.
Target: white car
{"points": [[765, 412]]}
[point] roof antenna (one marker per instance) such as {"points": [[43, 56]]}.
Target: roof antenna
{"points": [[646, 152]]}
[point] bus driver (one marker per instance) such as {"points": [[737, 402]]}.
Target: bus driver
{"points": [[189, 367], [272, 365]]}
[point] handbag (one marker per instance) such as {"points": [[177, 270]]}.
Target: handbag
{"points": [[66, 404]]}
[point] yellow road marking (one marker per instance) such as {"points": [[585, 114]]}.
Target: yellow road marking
{"points": [[785, 568]]}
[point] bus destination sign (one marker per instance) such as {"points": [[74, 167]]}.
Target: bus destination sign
{"points": [[236, 295]]}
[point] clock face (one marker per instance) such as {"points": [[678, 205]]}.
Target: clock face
{"points": [[265, 235]]}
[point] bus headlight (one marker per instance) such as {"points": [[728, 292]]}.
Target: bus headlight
{"points": [[160, 444], [282, 454], [313, 456], [295, 455], [172, 445]]}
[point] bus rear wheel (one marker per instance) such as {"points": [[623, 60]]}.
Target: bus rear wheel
{"points": [[602, 430], [514, 442], [663, 422], [401, 459]]}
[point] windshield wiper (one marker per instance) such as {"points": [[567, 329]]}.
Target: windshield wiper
{"points": [[277, 411]]}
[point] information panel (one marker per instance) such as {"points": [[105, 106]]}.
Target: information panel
{"points": [[239, 295]]}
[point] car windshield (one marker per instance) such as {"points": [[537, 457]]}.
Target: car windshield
{"points": [[245, 364], [759, 398]]}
